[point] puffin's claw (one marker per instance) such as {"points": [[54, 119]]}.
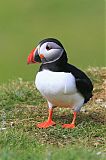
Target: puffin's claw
{"points": [[46, 124], [68, 125]]}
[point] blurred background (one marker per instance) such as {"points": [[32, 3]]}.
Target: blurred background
{"points": [[78, 24]]}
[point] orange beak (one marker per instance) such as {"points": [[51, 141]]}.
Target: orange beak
{"points": [[30, 58], [33, 57]]}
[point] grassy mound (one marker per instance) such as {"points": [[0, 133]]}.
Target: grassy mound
{"points": [[22, 107]]}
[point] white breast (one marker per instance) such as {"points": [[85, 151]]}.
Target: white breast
{"points": [[59, 88]]}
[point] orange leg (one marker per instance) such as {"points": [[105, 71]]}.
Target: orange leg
{"points": [[47, 123], [72, 125]]}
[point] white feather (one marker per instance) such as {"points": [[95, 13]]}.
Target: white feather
{"points": [[59, 89]]}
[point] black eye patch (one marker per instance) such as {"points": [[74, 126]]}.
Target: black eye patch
{"points": [[48, 47]]}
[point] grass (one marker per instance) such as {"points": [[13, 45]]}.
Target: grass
{"points": [[22, 107]]}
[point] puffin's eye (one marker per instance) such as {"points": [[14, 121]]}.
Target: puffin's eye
{"points": [[48, 47]]}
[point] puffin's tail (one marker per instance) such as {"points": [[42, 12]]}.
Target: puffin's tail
{"points": [[87, 97]]}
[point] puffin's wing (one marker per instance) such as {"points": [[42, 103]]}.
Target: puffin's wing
{"points": [[83, 83]]}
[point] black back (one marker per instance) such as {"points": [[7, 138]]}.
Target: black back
{"points": [[83, 83]]}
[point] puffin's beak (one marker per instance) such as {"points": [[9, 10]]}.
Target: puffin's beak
{"points": [[33, 57]]}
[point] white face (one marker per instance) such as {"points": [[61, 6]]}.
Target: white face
{"points": [[51, 52]]}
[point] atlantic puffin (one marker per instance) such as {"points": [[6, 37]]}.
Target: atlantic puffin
{"points": [[61, 83]]}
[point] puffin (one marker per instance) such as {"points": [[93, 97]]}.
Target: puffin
{"points": [[60, 83]]}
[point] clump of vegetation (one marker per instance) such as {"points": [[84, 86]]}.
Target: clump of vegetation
{"points": [[22, 107]]}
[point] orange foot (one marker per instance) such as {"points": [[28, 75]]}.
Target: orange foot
{"points": [[68, 125], [46, 124]]}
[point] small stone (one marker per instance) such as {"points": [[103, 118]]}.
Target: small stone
{"points": [[12, 124], [98, 153], [83, 110], [3, 128], [99, 100]]}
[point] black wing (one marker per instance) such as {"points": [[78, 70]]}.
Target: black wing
{"points": [[83, 83]]}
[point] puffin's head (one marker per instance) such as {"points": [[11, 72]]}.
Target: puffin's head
{"points": [[48, 50]]}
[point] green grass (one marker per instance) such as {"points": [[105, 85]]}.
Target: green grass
{"points": [[22, 107], [78, 24]]}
